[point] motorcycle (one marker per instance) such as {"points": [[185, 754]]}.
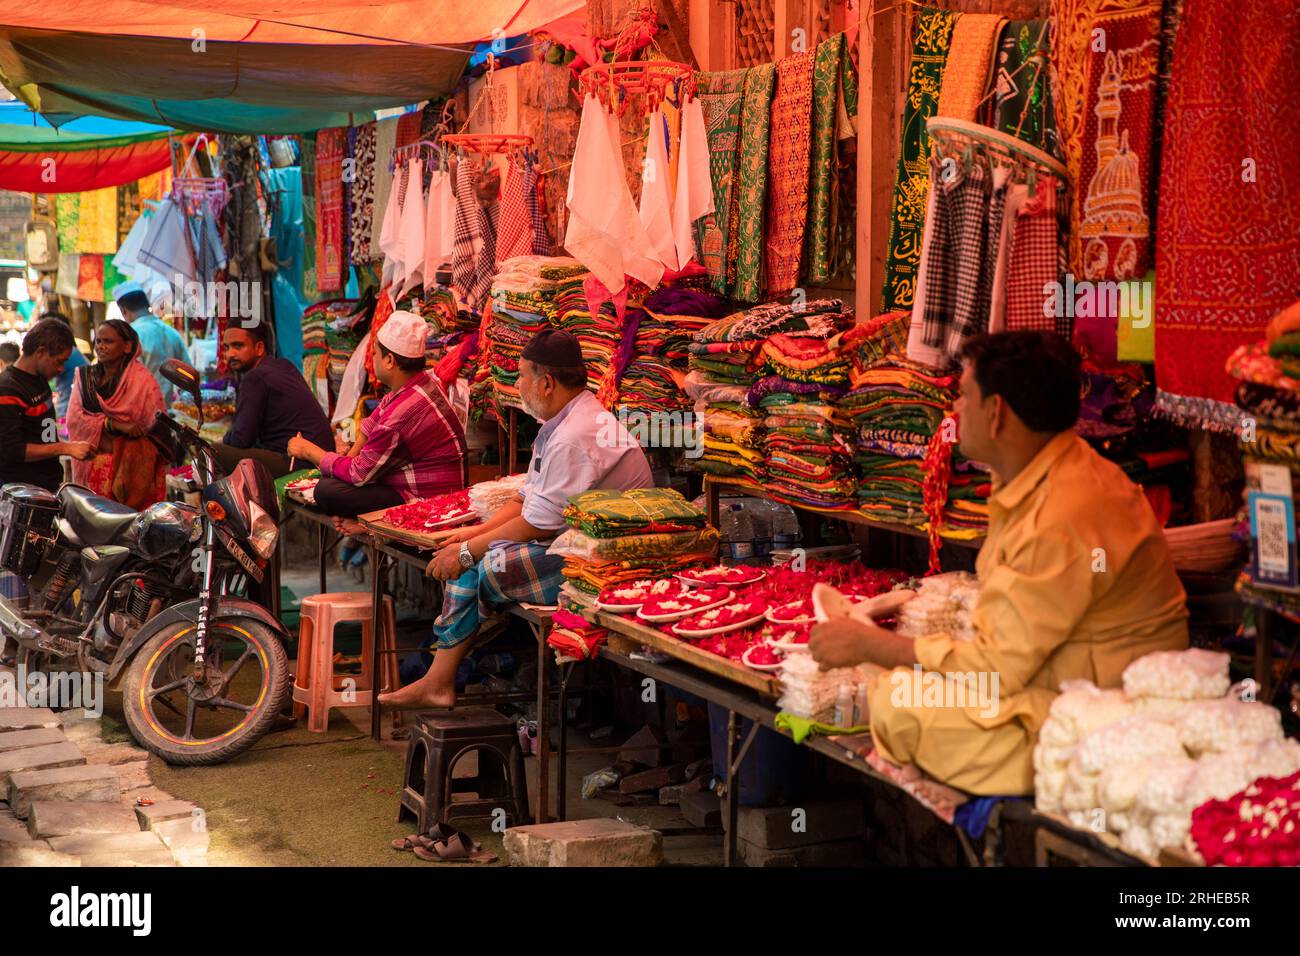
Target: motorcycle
{"points": [[113, 593]]}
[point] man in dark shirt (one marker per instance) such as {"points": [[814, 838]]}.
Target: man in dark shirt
{"points": [[29, 432], [273, 404]]}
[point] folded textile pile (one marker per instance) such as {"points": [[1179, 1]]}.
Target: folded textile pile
{"points": [[573, 637], [653, 354], [523, 303], [316, 354], [808, 442], [342, 343], [621, 536], [598, 335], [487, 497]]}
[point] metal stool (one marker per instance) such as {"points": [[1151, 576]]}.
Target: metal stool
{"points": [[438, 742], [316, 688]]}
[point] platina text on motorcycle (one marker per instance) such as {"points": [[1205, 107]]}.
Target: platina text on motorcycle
{"points": [[150, 598]]}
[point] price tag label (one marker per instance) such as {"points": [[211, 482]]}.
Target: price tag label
{"points": [[1272, 525]]}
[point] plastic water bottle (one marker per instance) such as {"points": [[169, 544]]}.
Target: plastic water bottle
{"points": [[844, 706]]}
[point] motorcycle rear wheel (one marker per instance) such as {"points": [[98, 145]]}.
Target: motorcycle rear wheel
{"points": [[162, 671]]}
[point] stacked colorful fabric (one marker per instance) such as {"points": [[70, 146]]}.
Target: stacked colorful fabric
{"points": [[652, 358], [523, 303], [342, 343], [658, 533]]}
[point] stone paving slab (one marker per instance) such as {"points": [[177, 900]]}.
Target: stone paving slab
{"points": [[115, 849], [31, 852], [39, 737], [598, 842], [48, 757], [65, 783], [54, 818], [150, 817], [27, 718]]}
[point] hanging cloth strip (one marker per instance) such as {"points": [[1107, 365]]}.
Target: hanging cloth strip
{"points": [[439, 224], [1022, 102], [693, 197], [331, 144], [533, 197], [720, 96], [385, 143], [787, 184], [823, 181], [656, 205], [930, 45], [1032, 263], [471, 247], [516, 236], [966, 74], [1110, 218], [411, 228], [1228, 243], [390, 238], [749, 200], [363, 194]]}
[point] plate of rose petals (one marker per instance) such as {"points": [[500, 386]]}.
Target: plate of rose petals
{"points": [[796, 612], [791, 639], [629, 598], [677, 606], [714, 577], [761, 657], [720, 620]]}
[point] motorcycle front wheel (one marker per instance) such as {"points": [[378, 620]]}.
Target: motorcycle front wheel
{"points": [[191, 723]]}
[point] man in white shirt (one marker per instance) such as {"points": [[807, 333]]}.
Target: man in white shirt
{"points": [[580, 447]]}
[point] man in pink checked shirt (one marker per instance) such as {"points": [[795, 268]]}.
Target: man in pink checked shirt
{"points": [[411, 447]]}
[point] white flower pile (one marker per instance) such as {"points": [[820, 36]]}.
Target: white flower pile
{"points": [[1137, 762], [944, 602], [808, 691], [1182, 675], [488, 496]]}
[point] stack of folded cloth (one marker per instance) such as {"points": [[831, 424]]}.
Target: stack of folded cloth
{"points": [[438, 307], [615, 537], [315, 347], [651, 362], [808, 444], [598, 335], [342, 342]]}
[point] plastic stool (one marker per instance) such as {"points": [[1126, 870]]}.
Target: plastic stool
{"points": [[438, 742], [316, 688]]}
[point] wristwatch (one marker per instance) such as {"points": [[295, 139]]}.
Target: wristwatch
{"points": [[465, 556]]}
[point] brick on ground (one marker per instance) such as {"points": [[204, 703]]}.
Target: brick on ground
{"points": [[39, 758], [116, 849], [27, 718], [672, 796], [597, 842], [186, 844], [29, 852], [702, 809], [113, 754], [22, 739], [56, 818], [65, 783], [822, 821], [133, 776], [149, 817], [835, 853]]}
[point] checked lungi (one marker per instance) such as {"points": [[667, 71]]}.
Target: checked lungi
{"points": [[513, 574]]}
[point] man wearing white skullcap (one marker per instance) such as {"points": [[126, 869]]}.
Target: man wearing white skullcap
{"points": [[411, 447]]}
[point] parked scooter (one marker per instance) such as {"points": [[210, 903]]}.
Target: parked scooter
{"points": [[113, 591]]}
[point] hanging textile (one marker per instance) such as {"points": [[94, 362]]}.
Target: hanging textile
{"points": [[166, 248], [516, 235], [1228, 246], [932, 33], [605, 232], [693, 195], [97, 228], [787, 168], [389, 238], [749, 199], [1022, 100], [966, 76], [1110, 222], [720, 95], [1033, 261], [363, 194], [69, 274], [823, 181], [128, 211], [960, 237], [533, 198], [1017, 193], [656, 207], [385, 143], [470, 281], [330, 149], [846, 110], [411, 227], [67, 215], [439, 224], [90, 277]]}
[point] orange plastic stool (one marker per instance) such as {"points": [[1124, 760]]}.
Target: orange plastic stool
{"points": [[316, 688]]}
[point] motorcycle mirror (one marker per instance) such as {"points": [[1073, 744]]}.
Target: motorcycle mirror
{"points": [[186, 378]]}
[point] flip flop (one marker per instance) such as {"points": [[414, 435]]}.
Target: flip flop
{"points": [[407, 843], [463, 848], [425, 840]]}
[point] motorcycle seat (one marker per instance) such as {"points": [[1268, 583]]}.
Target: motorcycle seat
{"points": [[95, 520]]}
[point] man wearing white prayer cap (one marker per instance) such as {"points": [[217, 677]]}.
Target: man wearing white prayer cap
{"points": [[411, 447]]}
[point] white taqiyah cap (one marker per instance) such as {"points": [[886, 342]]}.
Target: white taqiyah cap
{"points": [[404, 334]]}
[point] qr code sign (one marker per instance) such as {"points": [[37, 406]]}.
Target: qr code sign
{"points": [[1270, 523]]}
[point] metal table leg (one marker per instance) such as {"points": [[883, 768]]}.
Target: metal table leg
{"points": [[731, 801], [324, 558], [562, 782], [377, 569], [543, 730]]}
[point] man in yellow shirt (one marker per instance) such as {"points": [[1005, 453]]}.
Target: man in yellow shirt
{"points": [[1075, 582]]}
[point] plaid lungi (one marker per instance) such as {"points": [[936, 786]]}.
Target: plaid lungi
{"points": [[513, 574]]}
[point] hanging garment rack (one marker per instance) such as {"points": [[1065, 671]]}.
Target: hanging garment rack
{"points": [[425, 149], [944, 130], [488, 143], [614, 83]]}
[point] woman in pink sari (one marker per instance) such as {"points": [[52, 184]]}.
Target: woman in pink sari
{"points": [[112, 407]]}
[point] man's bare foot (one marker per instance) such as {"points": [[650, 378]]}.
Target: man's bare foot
{"points": [[418, 696], [348, 526]]}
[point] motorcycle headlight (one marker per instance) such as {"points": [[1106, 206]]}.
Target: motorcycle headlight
{"points": [[263, 531]]}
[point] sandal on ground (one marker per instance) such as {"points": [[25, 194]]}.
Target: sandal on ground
{"points": [[460, 848], [438, 834]]}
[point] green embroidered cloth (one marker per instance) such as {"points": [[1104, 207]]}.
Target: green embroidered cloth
{"points": [[720, 96], [933, 33], [821, 187], [750, 197], [608, 514]]}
